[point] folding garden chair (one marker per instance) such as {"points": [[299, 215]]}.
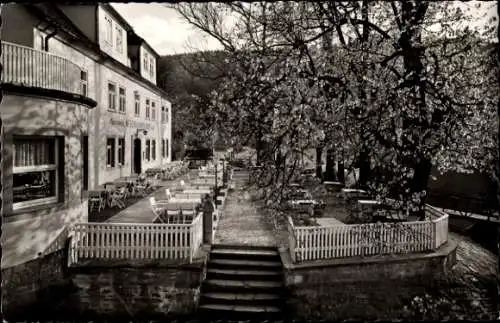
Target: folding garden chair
{"points": [[158, 208], [96, 201]]}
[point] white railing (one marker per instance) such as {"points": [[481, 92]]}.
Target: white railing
{"points": [[26, 66], [440, 221], [291, 238], [196, 235], [134, 241], [359, 240]]}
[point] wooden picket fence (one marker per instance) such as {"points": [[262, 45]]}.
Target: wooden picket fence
{"points": [[135, 241], [440, 222], [360, 240]]}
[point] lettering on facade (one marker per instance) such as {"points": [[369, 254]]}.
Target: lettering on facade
{"points": [[131, 124], [139, 125]]}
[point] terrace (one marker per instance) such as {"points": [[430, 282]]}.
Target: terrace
{"points": [[354, 226], [166, 225]]}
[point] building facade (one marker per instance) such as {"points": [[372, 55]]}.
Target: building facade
{"points": [[80, 108]]}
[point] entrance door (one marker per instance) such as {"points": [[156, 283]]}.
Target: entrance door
{"points": [[137, 156], [85, 156]]}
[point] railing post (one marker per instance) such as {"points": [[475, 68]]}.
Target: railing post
{"points": [[434, 234], [191, 240], [291, 239]]}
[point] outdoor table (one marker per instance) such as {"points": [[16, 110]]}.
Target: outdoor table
{"points": [[353, 190], [333, 186], [118, 184], [368, 205], [350, 193], [369, 202]]}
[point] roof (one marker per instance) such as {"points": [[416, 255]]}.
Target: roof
{"points": [[134, 39], [53, 15]]}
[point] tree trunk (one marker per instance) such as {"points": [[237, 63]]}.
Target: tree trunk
{"points": [[319, 169], [419, 183], [498, 159], [364, 168], [330, 166], [258, 151], [259, 146], [341, 172]]}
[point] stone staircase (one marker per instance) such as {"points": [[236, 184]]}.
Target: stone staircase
{"points": [[243, 283]]}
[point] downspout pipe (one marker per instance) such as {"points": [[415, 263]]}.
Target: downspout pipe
{"points": [[49, 36]]}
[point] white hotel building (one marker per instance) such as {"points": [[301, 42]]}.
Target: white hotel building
{"points": [[80, 108]]}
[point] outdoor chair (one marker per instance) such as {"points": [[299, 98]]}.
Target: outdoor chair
{"points": [[188, 215], [157, 207], [140, 188], [172, 216], [155, 180], [96, 201], [116, 197], [168, 194]]}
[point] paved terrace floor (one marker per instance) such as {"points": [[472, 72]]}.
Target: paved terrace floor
{"points": [[141, 212], [241, 223]]}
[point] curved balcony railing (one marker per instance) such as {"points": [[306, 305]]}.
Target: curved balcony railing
{"points": [[29, 67]]}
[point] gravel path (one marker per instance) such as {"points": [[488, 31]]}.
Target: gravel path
{"points": [[242, 223]]}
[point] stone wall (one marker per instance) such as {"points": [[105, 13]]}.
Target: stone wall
{"points": [[370, 288], [31, 283], [137, 292]]}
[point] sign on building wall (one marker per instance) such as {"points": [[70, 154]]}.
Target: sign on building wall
{"points": [[131, 124]]}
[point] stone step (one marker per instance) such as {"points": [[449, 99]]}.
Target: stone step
{"points": [[239, 274], [244, 247], [243, 309], [241, 286], [239, 312], [250, 254], [243, 264], [262, 299]]}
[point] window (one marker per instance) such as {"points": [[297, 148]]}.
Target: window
{"points": [[145, 62], [151, 66], [110, 160], [109, 30], [162, 114], [84, 82], [148, 112], [137, 106], [111, 96], [166, 115], [153, 149], [153, 111], [163, 154], [148, 147], [122, 99], [166, 148], [119, 39], [121, 151], [36, 171]]}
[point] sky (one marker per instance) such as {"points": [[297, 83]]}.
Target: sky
{"points": [[168, 33], [164, 29]]}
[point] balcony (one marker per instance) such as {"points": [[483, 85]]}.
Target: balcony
{"points": [[28, 67]]}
